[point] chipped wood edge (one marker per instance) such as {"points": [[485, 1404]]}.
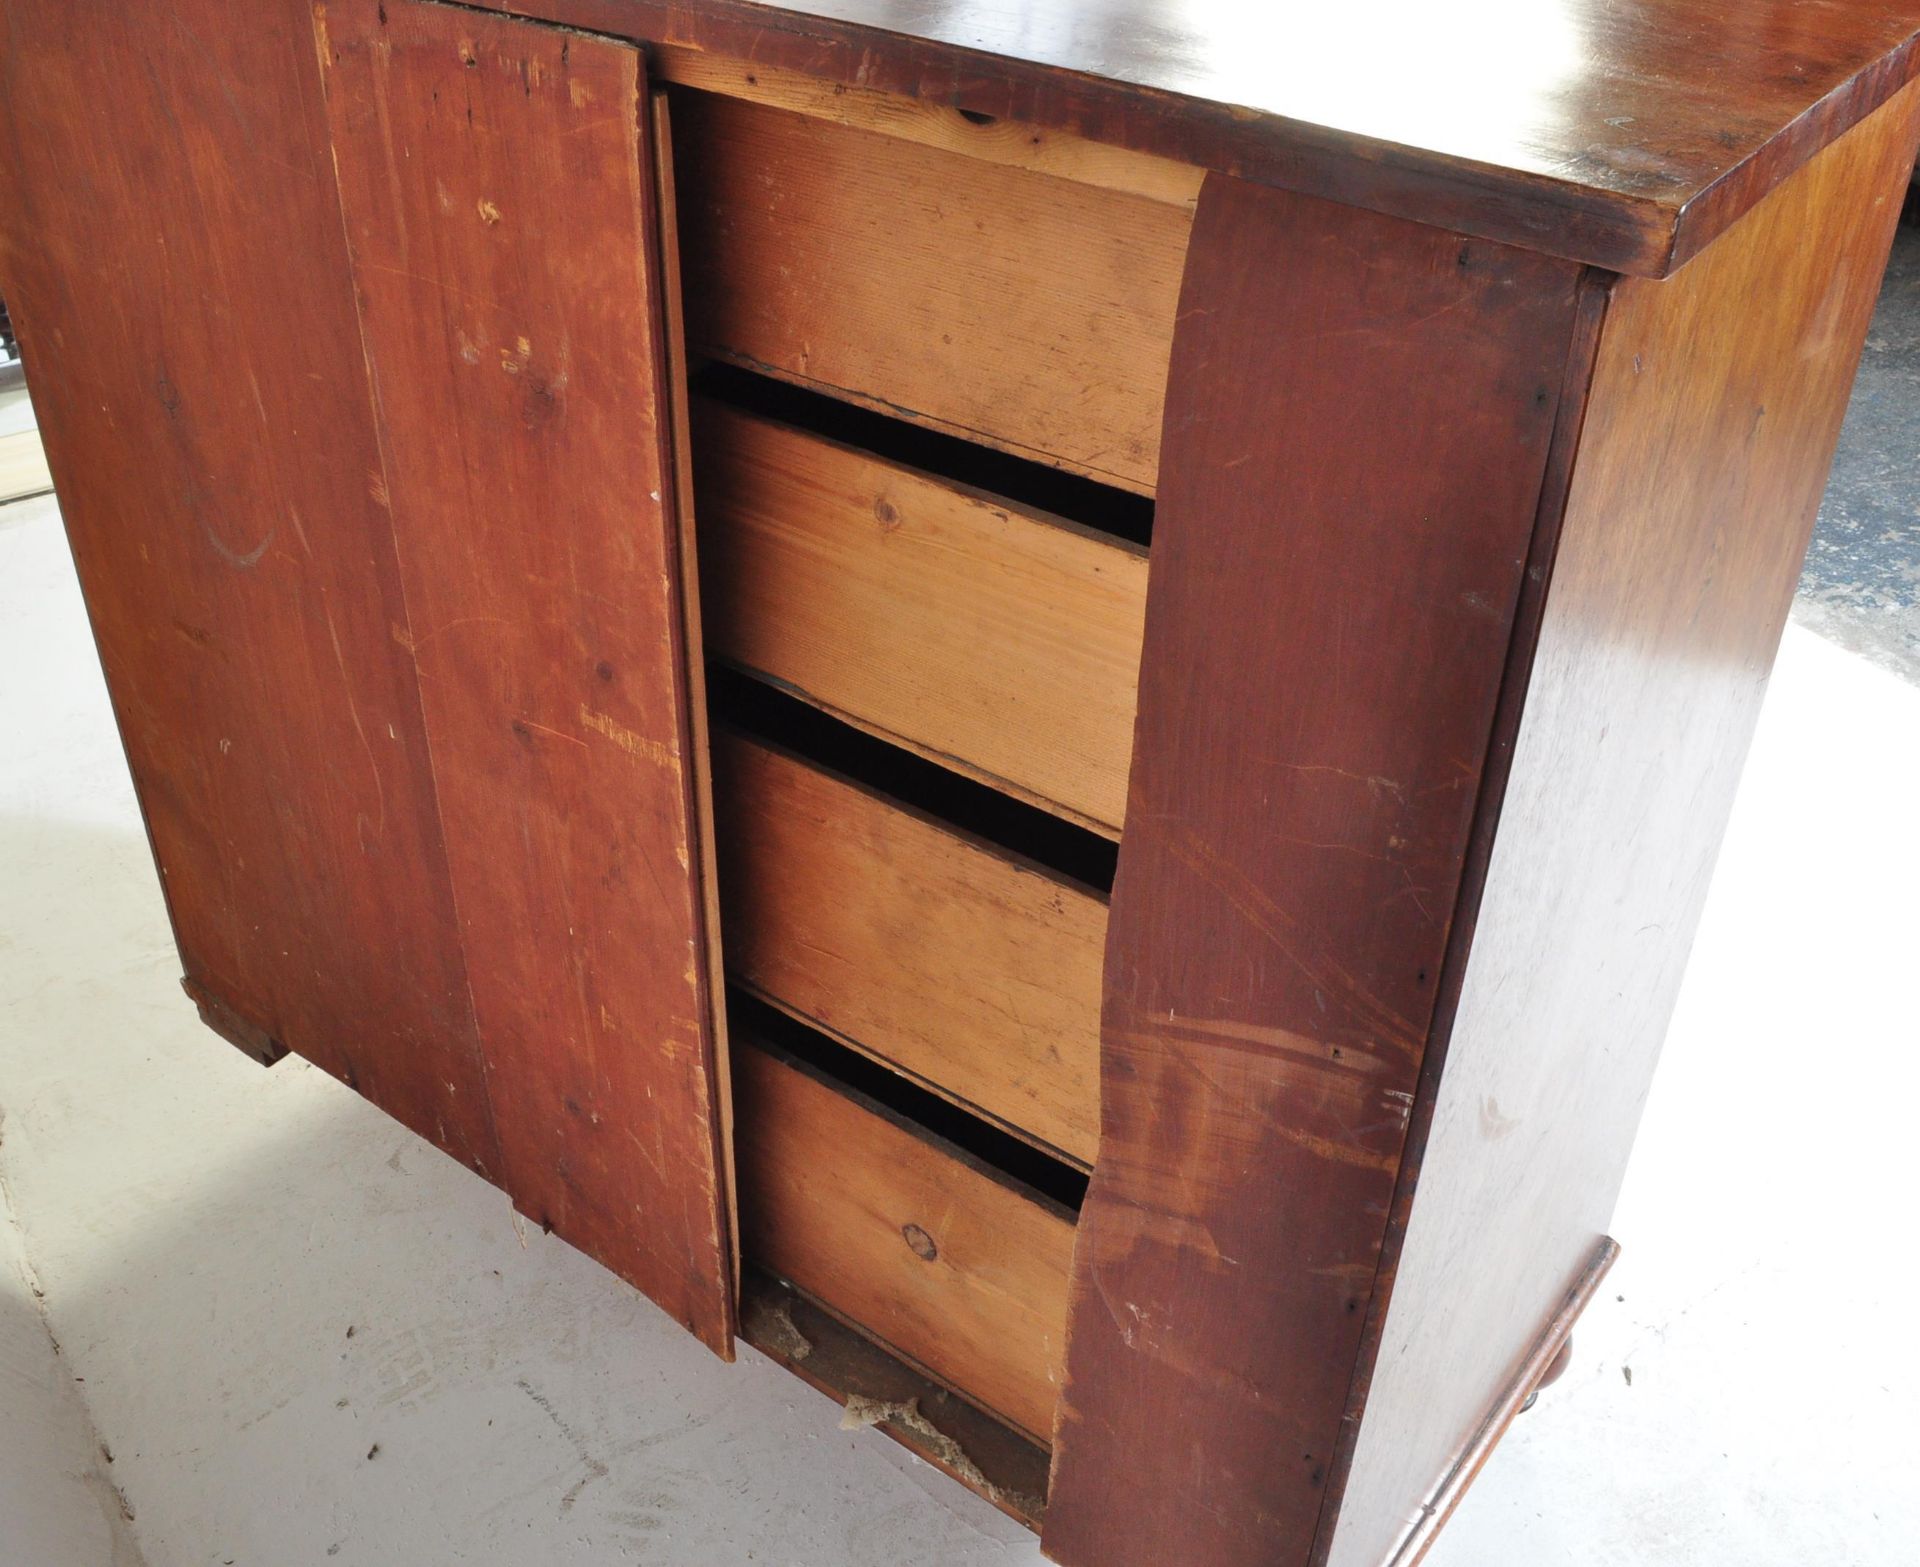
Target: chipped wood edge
{"points": [[1531, 1375], [248, 1038], [1011, 143]]}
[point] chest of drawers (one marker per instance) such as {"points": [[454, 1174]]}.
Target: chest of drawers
{"points": [[1030, 702]]}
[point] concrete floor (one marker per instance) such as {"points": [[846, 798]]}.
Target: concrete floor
{"points": [[1861, 586], [245, 1319]]}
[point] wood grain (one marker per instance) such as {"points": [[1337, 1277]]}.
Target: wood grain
{"points": [[1627, 136], [932, 124], [1029, 312], [962, 1275], [498, 198], [694, 659], [972, 629], [1714, 409], [170, 249], [1350, 483], [973, 972]]}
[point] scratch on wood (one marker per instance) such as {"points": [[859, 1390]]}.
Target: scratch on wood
{"points": [[634, 744], [1376, 784], [1280, 928], [233, 557], [528, 723], [1338, 1152], [1260, 1039], [359, 729], [414, 644]]}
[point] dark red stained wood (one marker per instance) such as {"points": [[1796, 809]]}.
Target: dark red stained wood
{"points": [[498, 195], [1352, 463], [1715, 404], [170, 247], [1625, 133]]}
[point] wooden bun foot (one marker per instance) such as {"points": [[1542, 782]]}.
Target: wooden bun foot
{"points": [[1556, 1369]]}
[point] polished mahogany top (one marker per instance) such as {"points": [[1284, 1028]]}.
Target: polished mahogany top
{"points": [[1625, 133]]}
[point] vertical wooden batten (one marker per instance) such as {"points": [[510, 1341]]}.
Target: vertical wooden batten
{"points": [[704, 868], [1350, 471], [500, 209]]}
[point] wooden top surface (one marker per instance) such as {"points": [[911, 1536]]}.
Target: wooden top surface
{"points": [[1624, 133]]}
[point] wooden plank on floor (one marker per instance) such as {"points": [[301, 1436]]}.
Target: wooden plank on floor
{"points": [[23, 466]]}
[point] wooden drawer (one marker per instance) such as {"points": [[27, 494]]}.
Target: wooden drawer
{"points": [[1020, 309], [956, 1269], [994, 638], [949, 959]]}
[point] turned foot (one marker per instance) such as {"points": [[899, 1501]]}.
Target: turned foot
{"points": [[1556, 1369]]}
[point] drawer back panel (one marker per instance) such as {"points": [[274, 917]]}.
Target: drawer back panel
{"points": [[974, 971], [1026, 311], [924, 444], [953, 1267], [997, 638]]}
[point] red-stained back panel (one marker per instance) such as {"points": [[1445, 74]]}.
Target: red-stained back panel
{"points": [[497, 190]]}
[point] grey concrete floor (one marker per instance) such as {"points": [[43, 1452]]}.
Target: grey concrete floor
{"points": [[1861, 585]]}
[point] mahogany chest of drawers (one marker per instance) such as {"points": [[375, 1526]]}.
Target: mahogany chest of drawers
{"points": [[1032, 702]]}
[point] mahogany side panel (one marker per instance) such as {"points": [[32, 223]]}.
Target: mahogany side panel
{"points": [[498, 194], [170, 247], [1353, 457], [1714, 408]]}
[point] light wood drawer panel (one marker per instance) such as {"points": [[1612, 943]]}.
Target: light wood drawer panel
{"points": [[940, 1261], [1031, 312], [937, 954], [972, 631]]}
